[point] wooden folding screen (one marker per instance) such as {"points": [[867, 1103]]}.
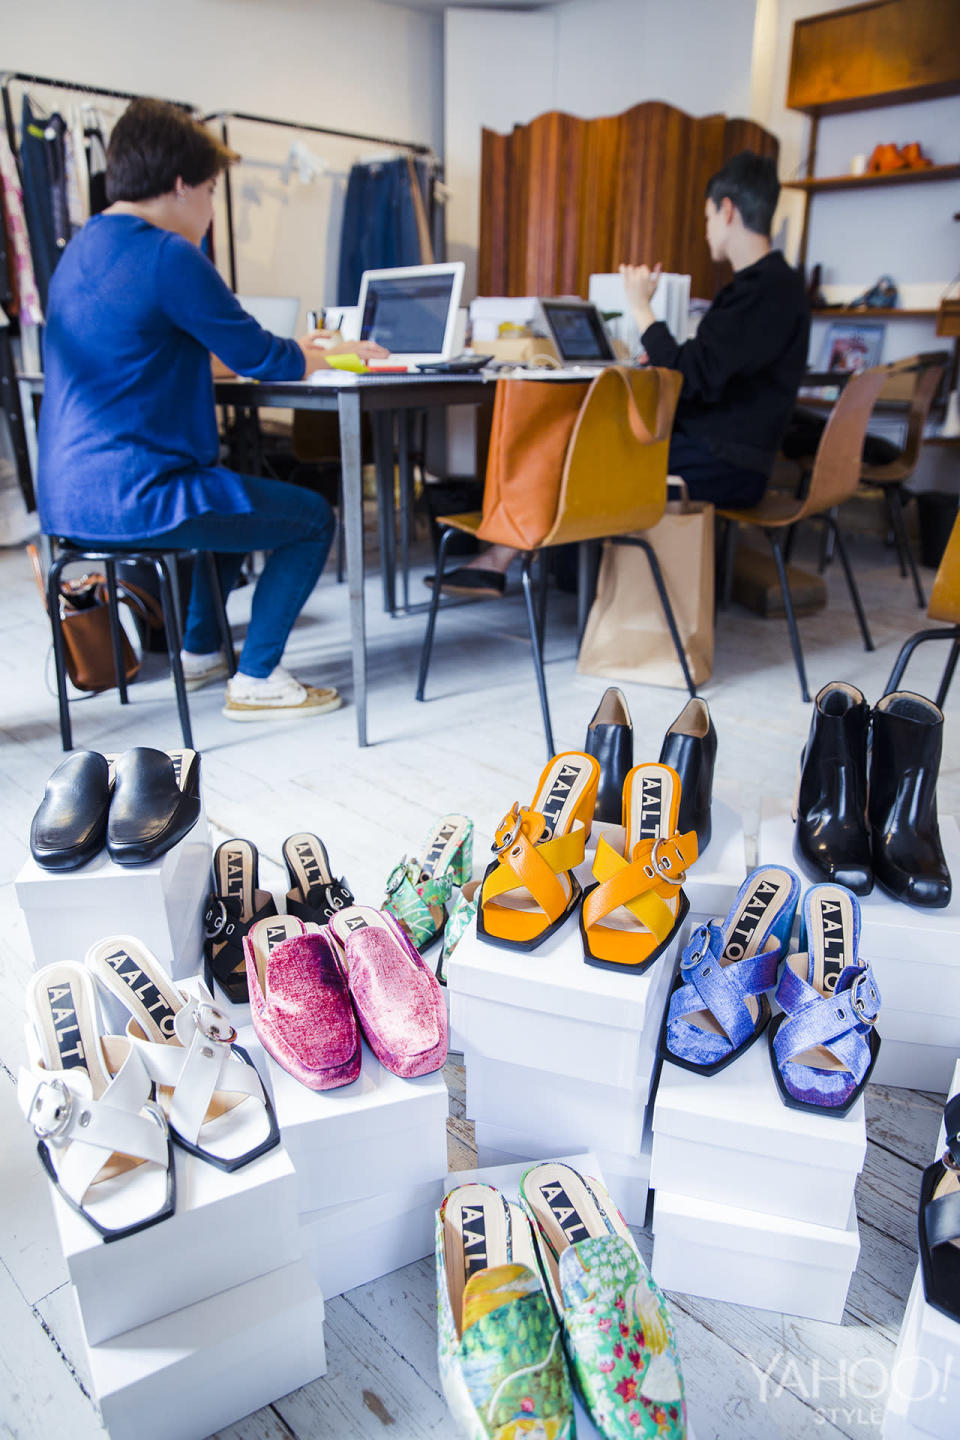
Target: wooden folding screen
{"points": [[563, 198]]}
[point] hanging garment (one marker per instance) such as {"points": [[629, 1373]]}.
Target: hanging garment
{"points": [[76, 209], [79, 148], [27, 297], [54, 135], [96, 166], [37, 198], [379, 224]]}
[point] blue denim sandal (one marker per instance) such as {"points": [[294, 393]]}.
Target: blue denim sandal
{"points": [[718, 1007], [824, 1047]]}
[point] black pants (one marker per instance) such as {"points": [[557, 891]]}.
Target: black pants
{"points": [[710, 478]]}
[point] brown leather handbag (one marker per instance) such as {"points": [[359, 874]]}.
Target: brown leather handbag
{"points": [[569, 459], [85, 621]]}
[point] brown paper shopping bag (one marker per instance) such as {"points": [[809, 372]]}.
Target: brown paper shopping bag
{"points": [[626, 637]]}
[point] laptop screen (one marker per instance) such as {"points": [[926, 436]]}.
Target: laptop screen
{"points": [[578, 332], [407, 314]]}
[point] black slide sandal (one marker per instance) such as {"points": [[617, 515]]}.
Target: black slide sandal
{"points": [[235, 903], [938, 1222]]}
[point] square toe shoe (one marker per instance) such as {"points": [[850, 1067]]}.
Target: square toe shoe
{"points": [[70, 825]]}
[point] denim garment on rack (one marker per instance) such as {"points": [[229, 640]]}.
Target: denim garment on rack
{"points": [[379, 224], [36, 197]]}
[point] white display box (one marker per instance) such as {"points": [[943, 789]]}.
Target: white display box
{"points": [[918, 1051], [627, 1176], [352, 1244], [226, 1229], [729, 1138], [381, 1133], [550, 1011], [722, 1252], [198, 1370], [564, 1113], [923, 1395], [913, 951], [712, 883], [161, 904]]}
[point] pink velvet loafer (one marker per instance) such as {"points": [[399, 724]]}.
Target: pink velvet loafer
{"points": [[397, 998], [299, 1002]]}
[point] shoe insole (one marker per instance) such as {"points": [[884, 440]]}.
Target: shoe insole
{"points": [[745, 934], [651, 804], [612, 710], [307, 864], [444, 842], [62, 1007], [183, 762], [559, 793], [481, 1231], [949, 1185], [828, 911], [270, 932], [127, 968], [694, 719], [567, 1211], [363, 917], [236, 873]]}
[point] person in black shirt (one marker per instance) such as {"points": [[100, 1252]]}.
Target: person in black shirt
{"points": [[742, 369]]}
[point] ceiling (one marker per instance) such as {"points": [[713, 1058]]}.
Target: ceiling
{"points": [[440, 5]]}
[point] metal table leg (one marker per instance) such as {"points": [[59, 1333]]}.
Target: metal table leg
{"points": [[348, 404], [382, 423], [405, 444]]}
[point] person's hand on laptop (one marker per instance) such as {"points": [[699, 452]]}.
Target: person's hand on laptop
{"points": [[640, 284], [320, 343]]}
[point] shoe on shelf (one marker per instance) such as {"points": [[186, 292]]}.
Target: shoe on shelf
{"points": [[824, 1046], [906, 745], [103, 1141], [633, 912], [70, 825], [463, 912], [938, 1221], [719, 1005], [499, 1348], [690, 748], [610, 741], [418, 891], [913, 154], [617, 1329], [201, 670], [235, 903], [398, 1000], [156, 802], [530, 889], [314, 895], [213, 1098], [885, 159], [277, 697], [300, 1004], [831, 838]]}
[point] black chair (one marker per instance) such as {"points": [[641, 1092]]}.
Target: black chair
{"points": [[69, 554]]}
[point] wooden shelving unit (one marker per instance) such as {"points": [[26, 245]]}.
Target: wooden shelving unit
{"points": [[816, 184], [839, 313]]}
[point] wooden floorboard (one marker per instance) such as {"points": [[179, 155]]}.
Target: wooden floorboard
{"points": [[476, 746]]}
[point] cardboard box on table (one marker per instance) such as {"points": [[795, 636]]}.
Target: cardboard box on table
{"points": [[729, 1139], [192, 1372], [226, 1229], [724, 1252], [161, 903], [913, 953], [923, 1395]]}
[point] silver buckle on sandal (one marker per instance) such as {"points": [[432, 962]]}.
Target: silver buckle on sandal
{"points": [[948, 1162], [859, 1000], [213, 1025], [499, 845], [51, 1110], [662, 865]]}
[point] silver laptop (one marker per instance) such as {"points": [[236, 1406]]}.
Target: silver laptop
{"points": [[411, 310], [577, 330], [279, 314]]}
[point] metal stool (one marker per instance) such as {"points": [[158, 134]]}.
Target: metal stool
{"points": [[70, 554]]}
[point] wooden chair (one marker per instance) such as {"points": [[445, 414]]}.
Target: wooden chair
{"points": [[833, 479], [612, 484], [890, 477], [944, 605]]}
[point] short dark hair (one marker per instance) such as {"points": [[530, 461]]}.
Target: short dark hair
{"points": [[152, 144], [749, 181]]}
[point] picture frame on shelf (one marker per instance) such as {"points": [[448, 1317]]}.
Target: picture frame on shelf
{"points": [[851, 346]]}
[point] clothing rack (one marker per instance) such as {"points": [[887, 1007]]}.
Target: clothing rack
{"points": [[20, 77], [225, 116]]}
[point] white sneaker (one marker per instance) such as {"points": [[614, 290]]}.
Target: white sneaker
{"points": [[276, 697], [200, 670]]}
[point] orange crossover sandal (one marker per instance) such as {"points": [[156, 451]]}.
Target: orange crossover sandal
{"points": [[529, 890], [637, 905]]}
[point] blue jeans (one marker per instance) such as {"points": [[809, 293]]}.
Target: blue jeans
{"points": [[295, 526]]}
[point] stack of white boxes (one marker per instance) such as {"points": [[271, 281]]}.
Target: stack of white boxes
{"points": [[914, 957], [210, 1314], [923, 1392], [560, 1055]]}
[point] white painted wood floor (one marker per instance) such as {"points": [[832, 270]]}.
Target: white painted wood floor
{"points": [[476, 746]]}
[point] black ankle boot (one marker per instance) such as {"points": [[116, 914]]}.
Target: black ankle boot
{"points": [[831, 835], [690, 747], [904, 765], [610, 740]]}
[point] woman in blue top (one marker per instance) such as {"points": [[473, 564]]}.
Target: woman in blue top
{"points": [[129, 446]]}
